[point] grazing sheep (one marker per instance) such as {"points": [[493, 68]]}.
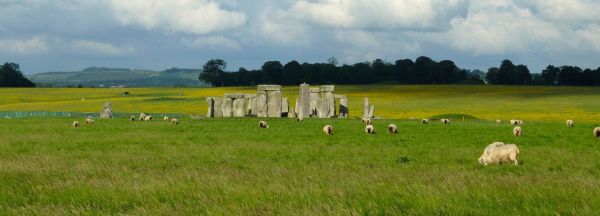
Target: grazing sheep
{"points": [[328, 129], [148, 118], [175, 121], [142, 116], [263, 124], [498, 121], [597, 132], [89, 121], [370, 129], [132, 118], [393, 129], [570, 123], [299, 119], [517, 131], [498, 153], [445, 121], [76, 124], [520, 122], [516, 122], [425, 121], [166, 118], [368, 122]]}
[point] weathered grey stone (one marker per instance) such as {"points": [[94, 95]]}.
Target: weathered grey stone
{"points": [[326, 88], [337, 96], [261, 104], [371, 111], [315, 90], [366, 108], [234, 95], [303, 104], [329, 106], [218, 107], [285, 105], [239, 108], [274, 104], [314, 100], [251, 106], [227, 106], [344, 112], [106, 112], [210, 103], [322, 108], [269, 88]]}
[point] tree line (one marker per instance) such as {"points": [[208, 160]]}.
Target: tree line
{"points": [[422, 70], [11, 76]]}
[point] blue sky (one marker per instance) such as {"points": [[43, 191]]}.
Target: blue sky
{"points": [[64, 35]]}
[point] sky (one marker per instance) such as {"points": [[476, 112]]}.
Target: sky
{"points": [[69, 35]]}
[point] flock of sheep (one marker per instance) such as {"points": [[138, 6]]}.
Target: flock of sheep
{"points": [[143, 117], [495, 153]]}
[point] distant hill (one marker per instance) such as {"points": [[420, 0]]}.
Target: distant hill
{"points": [[107, 77]]}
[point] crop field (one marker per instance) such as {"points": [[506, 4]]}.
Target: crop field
{"points": [[398, 102], [233, 167]]}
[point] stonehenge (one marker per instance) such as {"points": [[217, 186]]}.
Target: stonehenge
{"points": [[106, 112], [269, 102]]}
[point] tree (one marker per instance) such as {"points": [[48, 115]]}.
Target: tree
{"points": [[378, 70], [506, 73], [404, 71], [213, 72], [271, 72], [550, 75], [291, 73], [11, 76], [493, 76], [332, 61], [569, 75], [425, 69], [587, 77], [523, 75]]}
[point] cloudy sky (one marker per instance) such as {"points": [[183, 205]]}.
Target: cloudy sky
{"points": [[59, 35]]}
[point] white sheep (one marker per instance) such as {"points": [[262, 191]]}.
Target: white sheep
{"points": [[166, 118], [132, 118], [498, 121], [425, 121], [367, 121], [263, 124], [328, 129], [76, 124], [175, 121], [148, 118], [517, 131], [520, 122], [393, 129], [516, 122], [570, 123], [89, 121], [142, 116], [445, 121], [597, 132], [370, 129], [498, 153]]}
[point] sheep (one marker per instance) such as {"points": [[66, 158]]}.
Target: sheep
{"points": [[148, 118], [498, 121], [445, 121], [597, 132], [175, 121], [166, 118], [517, 131], [89, 121], [299, 119], [570, 123], [142, 116], [516, 122], [425, 121], [498, 153], [132, 118], [263, 124], [393, 129], [520, 122], [76, 124], [368, 122], [370, 129], [328, 129]]}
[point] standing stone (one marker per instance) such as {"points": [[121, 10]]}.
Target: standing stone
{"points": [[251, 105], [218, 107], [344, 112], [239, 108], [322, 108], [261, 103], [274, 104], [366, 108], [211, 107], [314, 100], [371, 111], [106, 112], [227, 105], [328, 100], [303, 101]]}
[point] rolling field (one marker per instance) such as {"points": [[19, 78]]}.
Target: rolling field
{"points": [[232, 167], [399, 102]]}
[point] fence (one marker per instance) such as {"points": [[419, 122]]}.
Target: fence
{"points": [[33, 114]]}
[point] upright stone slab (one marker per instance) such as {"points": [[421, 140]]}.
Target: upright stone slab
{"points": [[274, 104], [251, 104], [106, 112], [314, 100], [328, 100], [371, 111], [210, 103], [261, 104], [303, 101], [218, 107], [344, 112], [227, 105], [366, 108], [239, 107], [322, 108]]}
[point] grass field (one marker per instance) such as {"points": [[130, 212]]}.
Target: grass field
{"points": [[400, 102], [232, 167]]}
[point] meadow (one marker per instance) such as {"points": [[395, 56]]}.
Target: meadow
{"points": [[233, 167]]}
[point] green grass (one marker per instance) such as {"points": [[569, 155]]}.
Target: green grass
{"points": [[530, 103], [232, 167]]}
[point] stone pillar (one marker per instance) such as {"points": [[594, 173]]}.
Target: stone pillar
{"points": [[285, 107], [218, 107], [371, 111], [274, 104], [251, 104], [303, 103], [210, 102], [366, 108], [268, 101], [328, 106], [261, 104], [314, 100], [344, 112], [238, 103], [227, 107]]}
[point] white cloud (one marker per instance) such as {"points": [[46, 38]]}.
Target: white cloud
{"points": [[89, 46], [187, 16], [213, 42], [33, 45]]}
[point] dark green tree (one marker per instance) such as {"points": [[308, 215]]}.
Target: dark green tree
{"points": [[569, 75], [11, 76], [271, 72], [550, 75], [292, 73], [213, 72]]}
